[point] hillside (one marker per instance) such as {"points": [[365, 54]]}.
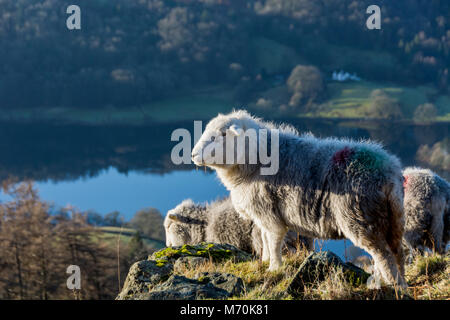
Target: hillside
{"points": [[136, 61]]}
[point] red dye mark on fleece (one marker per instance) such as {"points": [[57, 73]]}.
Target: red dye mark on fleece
{"points": [[342, 156], [405, 181]]}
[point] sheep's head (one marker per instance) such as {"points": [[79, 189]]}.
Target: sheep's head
{"points": [[179, 223], [227, 141]]}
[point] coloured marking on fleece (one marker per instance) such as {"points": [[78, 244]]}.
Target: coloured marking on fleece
{"points": [[405, 181], [369, 159], [361, 157], [343, 156]]}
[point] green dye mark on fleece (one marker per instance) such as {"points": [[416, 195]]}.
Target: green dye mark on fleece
{"points": [[369, 160]]}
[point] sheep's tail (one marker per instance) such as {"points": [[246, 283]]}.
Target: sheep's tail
{"points": [[397, 224]]}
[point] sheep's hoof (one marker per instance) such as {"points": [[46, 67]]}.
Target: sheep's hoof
{"points": [[274, 267]]}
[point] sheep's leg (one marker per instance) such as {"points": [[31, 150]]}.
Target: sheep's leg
{"points": [[275, 241], [265, 246], [374, 281], [400, 258], [385, 262], [408, 251], [387, 266], [437, 231]]}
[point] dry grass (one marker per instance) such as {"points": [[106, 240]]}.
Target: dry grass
{"points": [[428, 277]]}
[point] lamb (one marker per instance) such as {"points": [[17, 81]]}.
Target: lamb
{"points": [[427, 210], [324, 188], [185, 224], [190, 223]]}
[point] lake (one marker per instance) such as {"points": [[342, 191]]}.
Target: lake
{"points": [[126, 168]]}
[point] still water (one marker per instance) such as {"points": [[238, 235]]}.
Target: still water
{"points": [[128, 193], [126, 168]]}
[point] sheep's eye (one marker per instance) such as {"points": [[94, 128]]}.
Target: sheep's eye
{"points": [[213, 138], [223, 134]]}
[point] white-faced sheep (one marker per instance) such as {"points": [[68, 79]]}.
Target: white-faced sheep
{"points": [[324, 188], [427, 210], [218, 222], [185, 224]]}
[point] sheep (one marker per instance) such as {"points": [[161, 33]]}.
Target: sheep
{"points": [[190, 223], [185, 224], [324, 188], [427, 210]]}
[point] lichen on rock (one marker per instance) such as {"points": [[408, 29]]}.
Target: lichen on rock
{"points": [[213, 251]]}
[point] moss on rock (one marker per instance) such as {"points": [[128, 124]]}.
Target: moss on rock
{"points": [[216, 252]]}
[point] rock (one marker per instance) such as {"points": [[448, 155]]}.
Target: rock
{"points": [[152, 279], [214, 251], [317, 265], [189, 262], [182, 288], [230, 283], [143, 276]]}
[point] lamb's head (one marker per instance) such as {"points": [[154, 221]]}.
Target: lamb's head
{"points": [[185, 224], [219, 146]]}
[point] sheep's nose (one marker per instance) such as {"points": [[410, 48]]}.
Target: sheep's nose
{"points": [[195, 157]]}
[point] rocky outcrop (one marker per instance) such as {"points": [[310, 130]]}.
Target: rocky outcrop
{"points": [[231, 284], [182, 288], [143, 276], [154, 279], [317, 265]]}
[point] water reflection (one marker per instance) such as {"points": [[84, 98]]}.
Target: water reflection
{"points": [[64, 153], [127, 193]]}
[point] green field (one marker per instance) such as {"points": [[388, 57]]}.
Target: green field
{"points": [[110, 235], [351, 100]]}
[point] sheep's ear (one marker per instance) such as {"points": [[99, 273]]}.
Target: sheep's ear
{"points": [[235, 129], [173, 217]]}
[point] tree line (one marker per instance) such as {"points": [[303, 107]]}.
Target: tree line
{"points": [[39, 242]]}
